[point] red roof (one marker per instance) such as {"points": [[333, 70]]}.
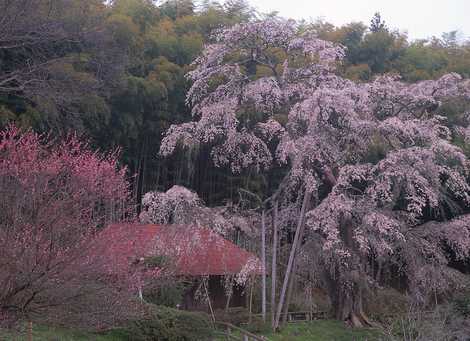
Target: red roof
{"points": [[195, 251]]}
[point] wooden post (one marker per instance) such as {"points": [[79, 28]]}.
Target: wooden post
{"points": [[289, 295], [263, 265], [209, 301], [298, 232], [250, 308], [30, 331], [274, 265], [310, 299], [229, 294]]}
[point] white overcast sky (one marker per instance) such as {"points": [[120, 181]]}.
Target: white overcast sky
{"points": [[420, 18]]}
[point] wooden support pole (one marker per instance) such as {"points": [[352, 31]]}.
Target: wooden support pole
{"points": [[209, 300], [251, 300], [274, 265], [263, 265], [30, 331], [298, 233]]}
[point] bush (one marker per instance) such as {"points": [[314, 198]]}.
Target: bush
{"points": [[167, 324], [386, 305], [236, 315], [442, 323], [461, 304], [168, 294]]}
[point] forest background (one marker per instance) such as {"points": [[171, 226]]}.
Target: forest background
{"points": [[115, 73]]}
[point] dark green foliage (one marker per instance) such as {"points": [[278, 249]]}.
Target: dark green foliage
{"points": [[236, 316], [168, 294], [167, 324], [461, 304]]}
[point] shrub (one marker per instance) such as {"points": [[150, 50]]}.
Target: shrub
{"points": [[440, 324], [168, 294], [167, 324], [236, 315], [461, 304], [386, 304]]}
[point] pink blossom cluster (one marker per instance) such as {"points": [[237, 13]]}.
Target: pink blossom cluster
{"points": [[180, 206], [222, 90]]}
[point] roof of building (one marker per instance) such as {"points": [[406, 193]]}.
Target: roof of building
{"points": [[194, 251]]}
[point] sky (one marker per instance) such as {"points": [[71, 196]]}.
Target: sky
{"points": [[420, 18]]}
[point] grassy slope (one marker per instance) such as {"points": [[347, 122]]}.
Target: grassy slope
{"points": [[41, 333], [327, 330], [322, 330]]}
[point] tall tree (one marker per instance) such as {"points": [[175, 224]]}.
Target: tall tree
{"points": [[377, 24], [270, 70], [350, 149]]}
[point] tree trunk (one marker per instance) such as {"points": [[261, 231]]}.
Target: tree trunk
{"points": [[289, 295], [349, 307], [274, 265], [348, 303], [378, 274], [263, 265], [229, 297], [298, 233]]}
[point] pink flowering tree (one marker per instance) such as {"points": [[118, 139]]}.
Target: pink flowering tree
{"points": [[243, 85], [370, 165], [395, 168], [181, 206], [55, 198]]}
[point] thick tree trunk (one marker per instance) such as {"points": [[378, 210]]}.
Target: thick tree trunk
{"points": [[349, 307], [298, 234], [348, 299], [378, 274]]}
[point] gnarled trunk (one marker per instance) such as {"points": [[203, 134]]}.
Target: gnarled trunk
{"points": [[348, 307], [347, 299], [348, 290]]}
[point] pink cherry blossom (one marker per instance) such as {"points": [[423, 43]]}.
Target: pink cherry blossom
{"points": [[376, 158]]}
